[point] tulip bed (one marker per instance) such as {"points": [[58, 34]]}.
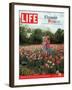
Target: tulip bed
{"points": [[36, 61]]}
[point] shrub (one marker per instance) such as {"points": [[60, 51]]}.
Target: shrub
{"points": [[25, 71]]}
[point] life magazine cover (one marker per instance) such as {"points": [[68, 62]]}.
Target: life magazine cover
{"points": [[41, 44]]}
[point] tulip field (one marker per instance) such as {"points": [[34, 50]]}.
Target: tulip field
{"points": [[35, 63]]}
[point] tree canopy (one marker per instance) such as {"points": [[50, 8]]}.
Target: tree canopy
{"points": [[36, 35]]}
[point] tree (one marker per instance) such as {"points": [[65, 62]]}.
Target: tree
{"points": [[22, 35], [59, 36], [62, 36], [36, 36]]}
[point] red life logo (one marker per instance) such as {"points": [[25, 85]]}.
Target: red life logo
{"points": [[30, 18]]}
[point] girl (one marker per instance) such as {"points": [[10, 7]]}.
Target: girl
{"points": [[46, 46]]}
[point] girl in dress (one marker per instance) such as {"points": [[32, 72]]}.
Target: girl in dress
{"points": [[46, 46]]}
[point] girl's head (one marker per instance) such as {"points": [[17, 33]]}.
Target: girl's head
{"points": [[46, 39]]}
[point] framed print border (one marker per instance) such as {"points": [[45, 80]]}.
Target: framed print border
{"points": [[12, 47]]}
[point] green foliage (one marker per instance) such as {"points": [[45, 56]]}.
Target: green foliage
{"points": [[22, 35], [61, 66], [24, 60], [25, 71], [59, 36], [29, 30], [36, 36]]}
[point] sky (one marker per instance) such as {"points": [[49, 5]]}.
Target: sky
{"points": [[47, 20]]}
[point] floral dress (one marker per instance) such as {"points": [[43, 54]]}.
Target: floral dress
{"points": [[48, 49]]}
